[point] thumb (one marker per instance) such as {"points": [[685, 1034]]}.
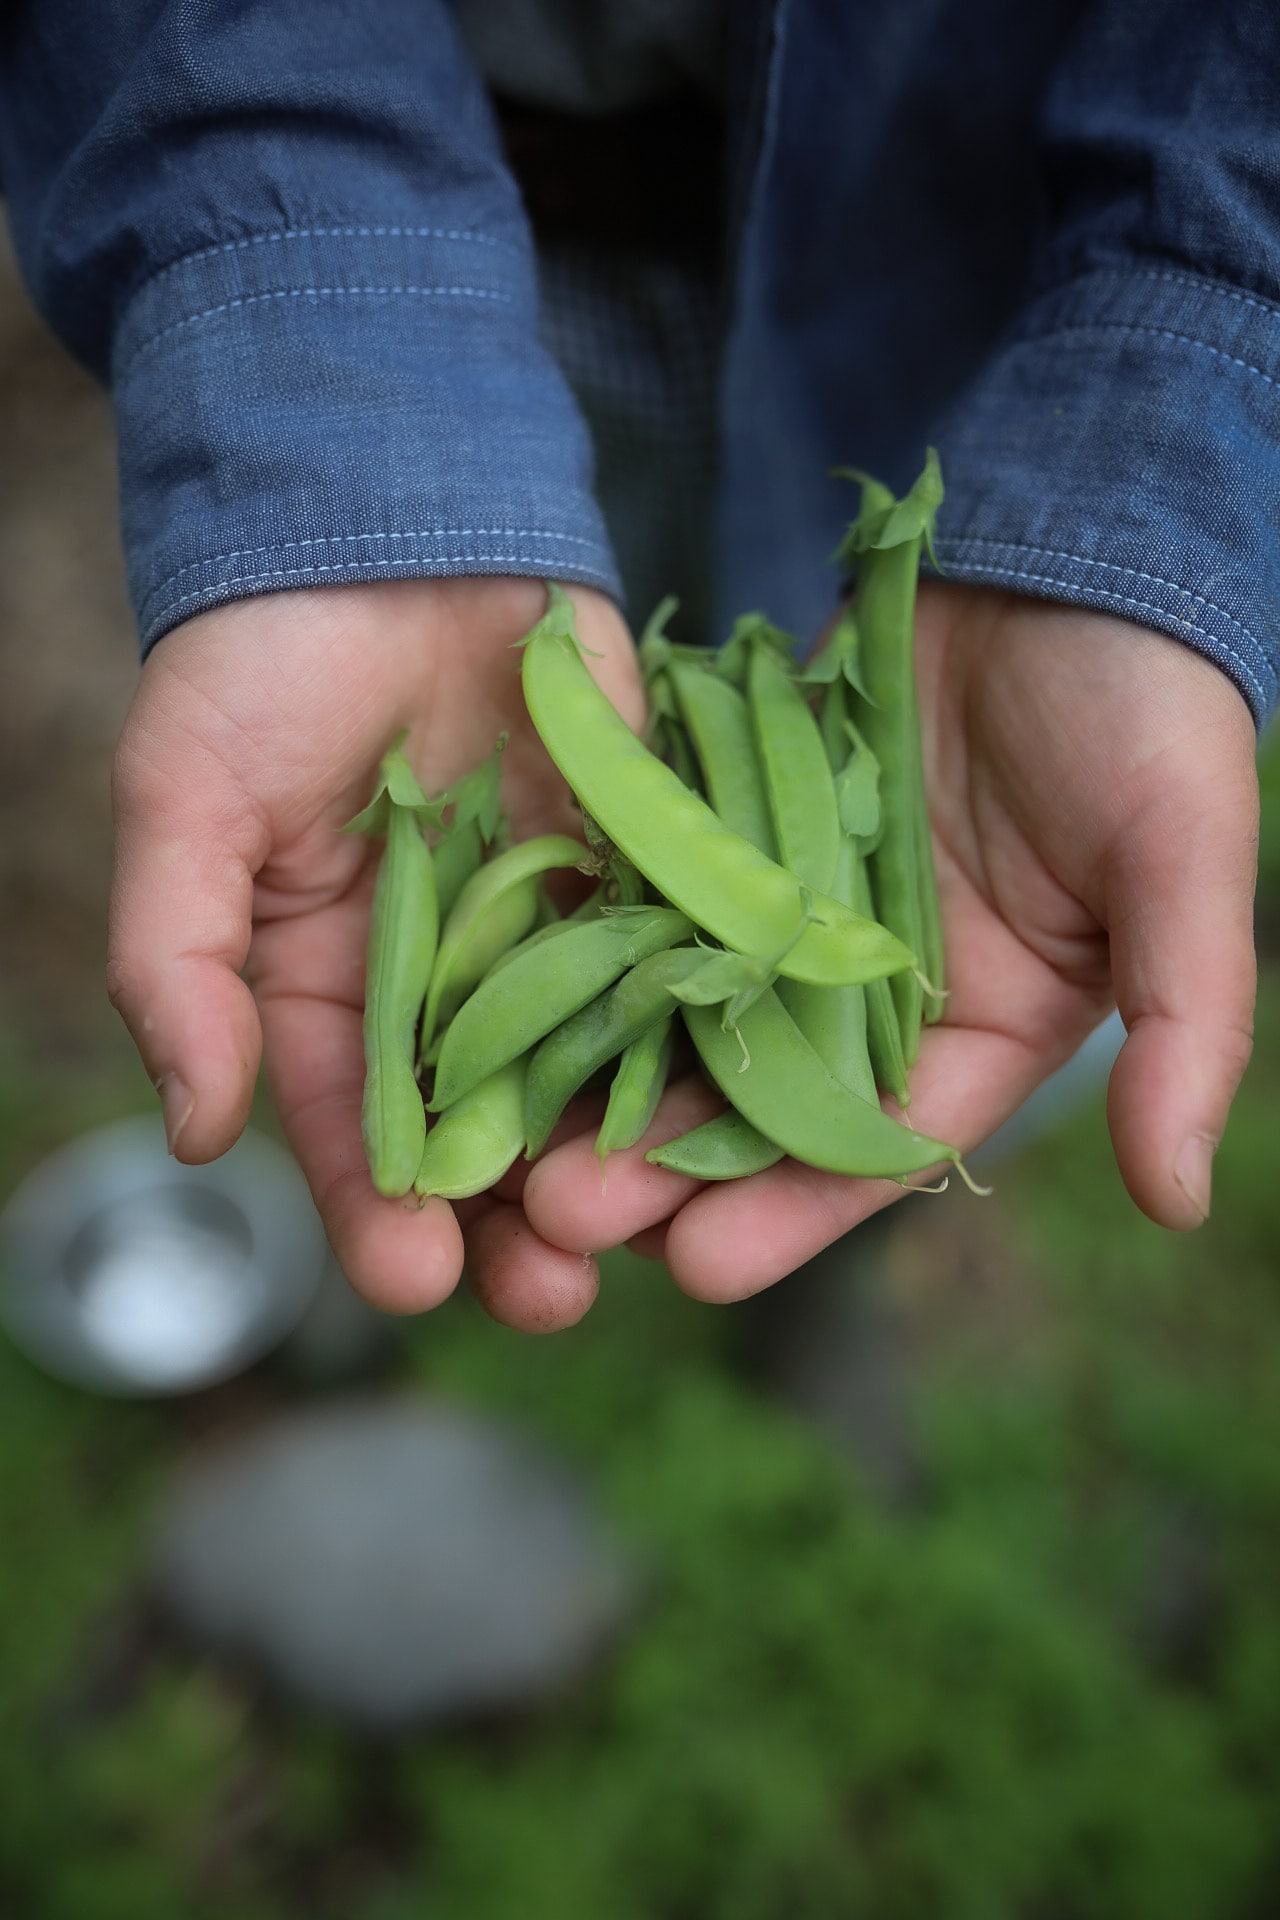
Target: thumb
{"points": [[187, 845], [1179, 908]]}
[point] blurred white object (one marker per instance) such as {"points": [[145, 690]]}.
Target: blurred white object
{"points": [[125, 1272]]}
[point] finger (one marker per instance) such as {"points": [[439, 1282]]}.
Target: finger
{"points": [[1179, 907], [401, 1256], [522, 1282], [731, 1241], [187, 846], [574, 1202]]}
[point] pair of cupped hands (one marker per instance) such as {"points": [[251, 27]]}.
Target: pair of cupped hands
{"points": [[1094, 805]]}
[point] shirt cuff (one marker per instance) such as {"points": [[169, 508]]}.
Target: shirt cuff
{"points": [[1122, 452], [331, 405]]}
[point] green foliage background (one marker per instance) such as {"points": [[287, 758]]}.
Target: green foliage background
{"points": [[1048, 1689]]}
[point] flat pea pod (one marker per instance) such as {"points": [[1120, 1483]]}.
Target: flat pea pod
{"points": [[884, 1036], [887, 539], [636, 1089], [834, 1019], [523, 999], [790, 1095], [719, 724], [598, 1033], [932, 951], [474, 1141], [798, 786], [724, 1148], [457, 855], [497, 906], [403, 926], [724, 884]]}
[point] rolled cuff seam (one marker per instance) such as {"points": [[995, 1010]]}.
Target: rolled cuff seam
{"points": [[344, 404]]}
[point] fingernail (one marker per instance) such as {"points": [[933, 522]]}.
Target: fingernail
{"points": [[1193, 1170], [177, 1102]]}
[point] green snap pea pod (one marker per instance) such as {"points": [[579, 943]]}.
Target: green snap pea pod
{"points": [[884, 1036], [798, 787], [474, 1142], [598, 1033], [725, 1148], [834, 1019], [457, 855], [637, 1088], [719, 724], [403, 926], [497, 906], [932, 952], [886, 541], [720, 880], [792, 1097], [518, 1004]]}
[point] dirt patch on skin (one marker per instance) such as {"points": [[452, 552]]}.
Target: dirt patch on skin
{"points": [[68, 665]]}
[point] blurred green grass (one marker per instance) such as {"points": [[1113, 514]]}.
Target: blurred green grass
{"points": [[1047, 1690]]}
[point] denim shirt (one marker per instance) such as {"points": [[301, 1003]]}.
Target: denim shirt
{"points": [[1045, 239]]}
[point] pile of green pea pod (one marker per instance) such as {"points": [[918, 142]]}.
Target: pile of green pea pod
{"points": [[764, 881]]}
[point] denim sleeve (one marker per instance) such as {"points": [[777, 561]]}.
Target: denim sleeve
{"points": [[287, 238], [1121, 448]]}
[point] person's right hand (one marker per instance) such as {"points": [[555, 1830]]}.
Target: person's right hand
{"points": [[240, 914]]}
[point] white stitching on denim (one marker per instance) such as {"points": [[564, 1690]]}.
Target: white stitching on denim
{"points": [[1120, 599], [328, 233], [1111, 566], [358, 539], [301, 293], [1123, 275], [532, 560], [1161, 333]]}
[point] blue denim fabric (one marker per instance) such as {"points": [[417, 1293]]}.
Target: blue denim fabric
{"points": [[1045, 238], [286, 236]]}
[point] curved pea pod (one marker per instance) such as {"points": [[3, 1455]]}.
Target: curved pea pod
{"points": [[792, 1098], [885, 542], [474, 1141], [598, 1033], [720, 880], [497, 906], [719, 724], [798, 787], [522, 999], [724, 1148], [637, 1089], [403, 925]]}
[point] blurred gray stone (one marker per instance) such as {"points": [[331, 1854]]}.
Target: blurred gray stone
{"points": [[391, 1562]]}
